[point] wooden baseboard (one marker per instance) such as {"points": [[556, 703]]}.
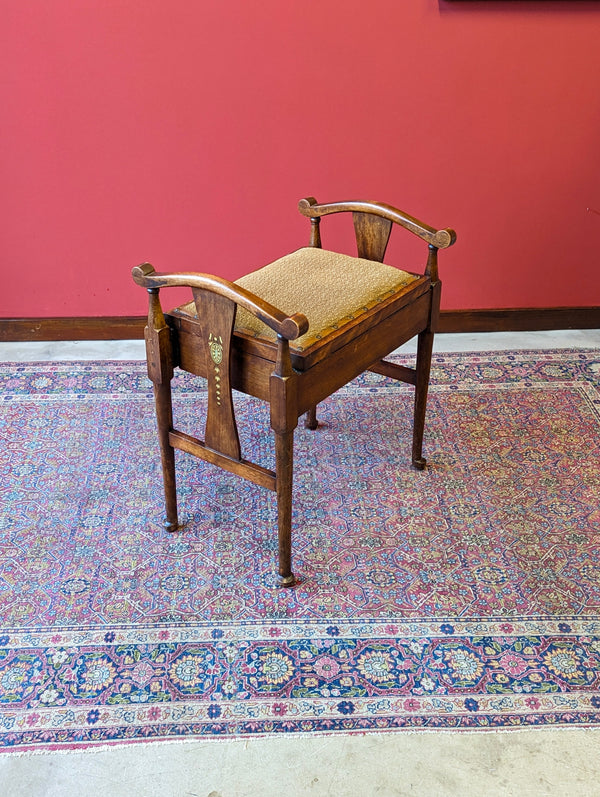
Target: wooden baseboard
{"points": [[132, 327], [520, 319], [86, 328]]}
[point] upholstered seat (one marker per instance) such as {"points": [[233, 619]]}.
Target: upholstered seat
{"points": [[311, 279], [291, 333], [331, 288]]}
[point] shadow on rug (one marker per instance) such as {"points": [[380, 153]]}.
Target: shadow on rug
{"points": [[464, 596]]}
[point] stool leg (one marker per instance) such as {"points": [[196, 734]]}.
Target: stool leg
{"points": [[424, 349], [164, 420], [284, 467], [311, 421]]}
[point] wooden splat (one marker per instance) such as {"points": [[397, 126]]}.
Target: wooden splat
{"points": [[216, 315], [372, 235]]}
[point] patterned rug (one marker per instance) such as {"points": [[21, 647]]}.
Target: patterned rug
{"points": [[463, 596]]}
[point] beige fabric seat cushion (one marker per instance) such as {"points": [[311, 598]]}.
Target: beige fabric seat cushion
{"points": [[331, 289]]}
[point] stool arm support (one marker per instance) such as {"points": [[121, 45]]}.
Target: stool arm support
{"points": [[441, 239], [288, 327]]}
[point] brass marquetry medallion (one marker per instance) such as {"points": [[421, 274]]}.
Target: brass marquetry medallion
{"points": [[215, 344]]}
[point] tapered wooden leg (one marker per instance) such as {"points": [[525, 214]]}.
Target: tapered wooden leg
{"points": [[311, 421], [164, 420], [284, 467], [424, 349]]}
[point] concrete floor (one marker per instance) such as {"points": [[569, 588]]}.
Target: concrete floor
{"points": [[429, 764], [436, 764], [134, 349]]}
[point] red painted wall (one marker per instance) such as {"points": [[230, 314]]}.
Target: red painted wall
{"points": [[184, 132]]}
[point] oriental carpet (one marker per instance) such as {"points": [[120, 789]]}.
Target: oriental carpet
{"points": [[466, 596]]}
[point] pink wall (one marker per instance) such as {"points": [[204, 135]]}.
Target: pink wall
{"points": [[184, 132]]}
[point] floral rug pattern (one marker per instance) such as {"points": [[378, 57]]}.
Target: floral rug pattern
{"points": [[463, 596]]}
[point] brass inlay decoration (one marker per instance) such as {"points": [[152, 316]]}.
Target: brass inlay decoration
{"points": [[215, 347]]}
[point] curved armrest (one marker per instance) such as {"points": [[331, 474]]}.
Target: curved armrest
{"points": [[288, 327], [441, 239]]}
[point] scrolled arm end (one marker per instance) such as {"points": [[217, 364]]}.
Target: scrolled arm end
{"points": [[305, 205], [294, 326], [444, 238], [141, 273]]}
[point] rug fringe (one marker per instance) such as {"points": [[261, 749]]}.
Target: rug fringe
{"points": [[92, 749]]}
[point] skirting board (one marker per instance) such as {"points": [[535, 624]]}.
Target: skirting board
{"points": [[132, 327]]}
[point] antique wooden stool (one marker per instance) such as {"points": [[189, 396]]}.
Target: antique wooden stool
{"points": [[291, 334]]}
